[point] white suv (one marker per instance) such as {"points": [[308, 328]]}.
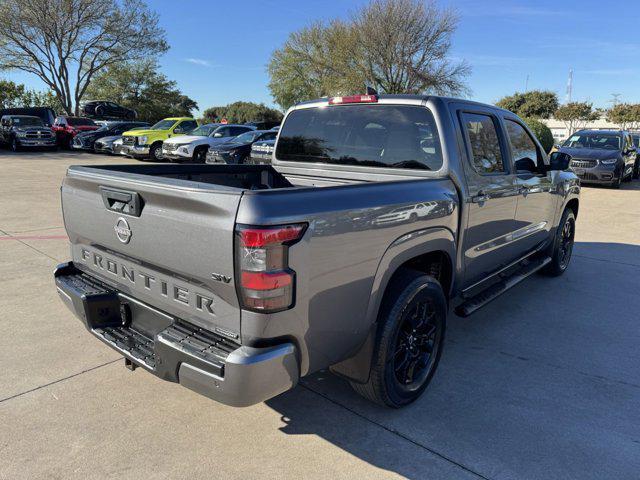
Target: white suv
{"points": [[194, 145]]}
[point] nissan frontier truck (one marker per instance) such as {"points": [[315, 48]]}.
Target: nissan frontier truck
{"points": [[378, 216]]}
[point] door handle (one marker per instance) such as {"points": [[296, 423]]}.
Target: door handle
{"points": [[481, 197]]}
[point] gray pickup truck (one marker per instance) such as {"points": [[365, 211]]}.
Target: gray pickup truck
{"points": [[378, 215]]}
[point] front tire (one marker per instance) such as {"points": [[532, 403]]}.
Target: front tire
{"points": [[562, 245], [200, 154], [636, 169], [411, 327], [155, 152], [15, 146]]}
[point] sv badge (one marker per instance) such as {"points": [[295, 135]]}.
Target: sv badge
{"points": [[220, 278]]}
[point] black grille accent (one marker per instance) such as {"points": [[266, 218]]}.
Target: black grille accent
{"points": [[583, 163], [588, 176]]}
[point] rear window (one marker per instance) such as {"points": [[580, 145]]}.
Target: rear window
{"points": [[391, 136]]}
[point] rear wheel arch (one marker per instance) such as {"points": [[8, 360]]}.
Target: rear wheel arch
{"points": [[432, 252]]}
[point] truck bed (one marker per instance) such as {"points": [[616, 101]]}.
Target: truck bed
{"points": [[181, 239]]}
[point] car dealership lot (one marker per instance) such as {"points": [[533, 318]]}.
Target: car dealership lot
{"points": [[542, 383]]}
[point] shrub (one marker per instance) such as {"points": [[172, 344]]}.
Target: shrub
{"points": [[542, 132]]}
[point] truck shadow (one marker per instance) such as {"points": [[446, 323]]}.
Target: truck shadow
{"points": [[511, 381]]}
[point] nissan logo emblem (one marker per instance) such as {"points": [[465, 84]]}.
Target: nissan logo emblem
{"points": [[123, 232]]}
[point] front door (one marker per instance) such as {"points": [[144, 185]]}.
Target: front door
{"points": [[536, 200], [487, 242]]}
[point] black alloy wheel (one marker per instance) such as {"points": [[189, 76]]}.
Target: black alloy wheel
{"points": [[416, 345]]}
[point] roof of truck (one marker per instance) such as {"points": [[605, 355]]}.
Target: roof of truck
{"points": [[408, 97]]}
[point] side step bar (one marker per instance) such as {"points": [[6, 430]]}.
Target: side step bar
{"points": [[478, 301]]}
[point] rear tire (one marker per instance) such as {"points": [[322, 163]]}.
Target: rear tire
{"points": [[636, 169], [562, 245], [411, 327]]}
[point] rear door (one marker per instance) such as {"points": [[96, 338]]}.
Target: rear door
{"points": [[536, 204], [488, 240], [163, 241]]}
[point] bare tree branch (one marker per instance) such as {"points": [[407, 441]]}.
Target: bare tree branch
{"points": [[66, 42]]}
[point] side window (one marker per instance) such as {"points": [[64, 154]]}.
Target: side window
{"points": [[484, 142], [234, 131], [186, 126], [268, 136], [523, 149]]}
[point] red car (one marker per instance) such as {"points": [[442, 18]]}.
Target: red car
{"points": [[65, 128]]}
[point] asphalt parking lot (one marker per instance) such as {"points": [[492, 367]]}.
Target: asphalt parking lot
{"points": [[542, 383]]}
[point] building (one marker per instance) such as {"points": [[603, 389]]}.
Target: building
{"points": [[560, 132]]}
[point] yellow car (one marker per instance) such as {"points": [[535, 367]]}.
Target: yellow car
{"points": [[147, 144]]}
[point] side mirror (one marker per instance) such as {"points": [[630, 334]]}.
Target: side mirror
{"points": [[217, 135], [559, 161], [525, 165], [178, 130]]}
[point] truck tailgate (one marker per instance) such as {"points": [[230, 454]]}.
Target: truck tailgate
{"points": [[175, 253]]}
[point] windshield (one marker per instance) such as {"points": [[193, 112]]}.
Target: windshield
{"points": [[392, 136], [75, 121], [27, 122], [247, 137], [203, 131], [593, 140], [163, 125]]}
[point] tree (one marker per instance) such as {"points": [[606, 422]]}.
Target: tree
{"points": [[66, 43], [241, 112], [394, 46], [11, 94], [405, 47], [625, 115], [542, 132], [575, 115], [532, 104], [17, 95], [140, 86]]}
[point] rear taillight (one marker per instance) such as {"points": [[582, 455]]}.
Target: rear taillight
{"points": [[353, 99], [265, 281]]}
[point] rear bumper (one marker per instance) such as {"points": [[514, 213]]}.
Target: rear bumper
{"points": [[174, 350]]}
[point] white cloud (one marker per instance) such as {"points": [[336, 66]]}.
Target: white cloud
{"points": [[198, 61]]}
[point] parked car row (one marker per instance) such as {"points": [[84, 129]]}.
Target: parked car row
{"points": [[181, 140], [176, 139]]}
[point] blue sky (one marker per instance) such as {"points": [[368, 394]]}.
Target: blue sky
{"points": [[219, 49]]}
